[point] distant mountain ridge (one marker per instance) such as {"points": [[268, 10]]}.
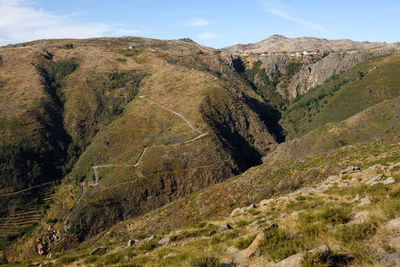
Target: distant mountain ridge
{"points": [[279, 43]]}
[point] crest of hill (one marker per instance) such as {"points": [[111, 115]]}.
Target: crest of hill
{"points": [[279, 43]]}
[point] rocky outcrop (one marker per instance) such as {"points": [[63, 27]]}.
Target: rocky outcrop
{"points": [[316, 69], [277, 43]]}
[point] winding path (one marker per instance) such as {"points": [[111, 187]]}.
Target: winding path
{"points": [[176, 113], [96, 175], [65, 226]]}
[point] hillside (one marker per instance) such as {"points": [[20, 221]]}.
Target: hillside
{"points": [[160, 119], [113, 141], [279, 43]]}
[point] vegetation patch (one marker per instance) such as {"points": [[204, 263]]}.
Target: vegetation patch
{"points": [[278, 244]]}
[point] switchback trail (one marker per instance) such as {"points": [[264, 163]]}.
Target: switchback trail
{"points": [[96, 175], [176, 113]]}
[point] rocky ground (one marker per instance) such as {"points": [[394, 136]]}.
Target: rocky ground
{"points": [[348, 219]]}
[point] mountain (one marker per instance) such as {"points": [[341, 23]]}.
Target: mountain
{"points": [[135, 151], [279, 43]]}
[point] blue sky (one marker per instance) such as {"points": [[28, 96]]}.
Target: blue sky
{"points": [[216, 23]]}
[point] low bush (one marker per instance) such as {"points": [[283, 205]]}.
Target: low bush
{"points": [[67, 259], [279, 244], [208, 261], [148, 246], [243, 243], [113, 258], [314, 260], [354, 232], [332, 215]]}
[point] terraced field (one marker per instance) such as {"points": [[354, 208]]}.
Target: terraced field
{"points": [[23, 212]]}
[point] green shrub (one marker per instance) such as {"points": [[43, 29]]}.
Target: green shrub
{"points": [[242, 223], [332, 215], [243, 243], [389, 249], [395, 193], [391, 207], [91, 259], [354, 232], [277, 244], [208, 261], [188, 234], [67, 259], [314, 260], [148, 246], [113, 258]]}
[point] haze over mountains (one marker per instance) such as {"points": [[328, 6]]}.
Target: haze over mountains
{"points": [[154, 143]]}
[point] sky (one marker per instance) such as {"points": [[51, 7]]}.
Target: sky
{"points": [[215, 23]]}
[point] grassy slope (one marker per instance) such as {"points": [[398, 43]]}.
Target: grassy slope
{"points": [[344, 95], [204, 211], [378, 123], [109, 124]]}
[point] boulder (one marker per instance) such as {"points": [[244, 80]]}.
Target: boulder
{"points": [[393, 224], [374, 179], [131, 243], [308, 190], [97, 251], [163, 241], [254, 226], [333, 179], [389, 259], [252, 206], [297, 212], [295, 260], [170, 255], [350, 169], [322, 187], [394, 242], [232, 250], [394, 165], [356, 199], [388, 181], [292, 261], [148, 239], [323, 249], [266, 202], [237, 211], [364, 201], [359, 217], [252, 250], [224, 227]]}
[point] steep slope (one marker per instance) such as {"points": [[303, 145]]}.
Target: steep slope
{"points": [[149, 132], [322, 200], [158, 119], [344, 95]]}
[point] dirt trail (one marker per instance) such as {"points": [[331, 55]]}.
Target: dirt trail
{"points": [[65, 226], [96, 175], [200, 135], [176, 113]]}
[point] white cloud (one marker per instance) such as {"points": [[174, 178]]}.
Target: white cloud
{"points": [[277, 8], [208, 35], [197, 22], [20, 21]]}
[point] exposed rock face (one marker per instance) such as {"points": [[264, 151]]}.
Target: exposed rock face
{"points": [[276, 43], [316, 69]]}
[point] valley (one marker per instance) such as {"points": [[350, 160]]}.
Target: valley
{"points": [[190, 154]]}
